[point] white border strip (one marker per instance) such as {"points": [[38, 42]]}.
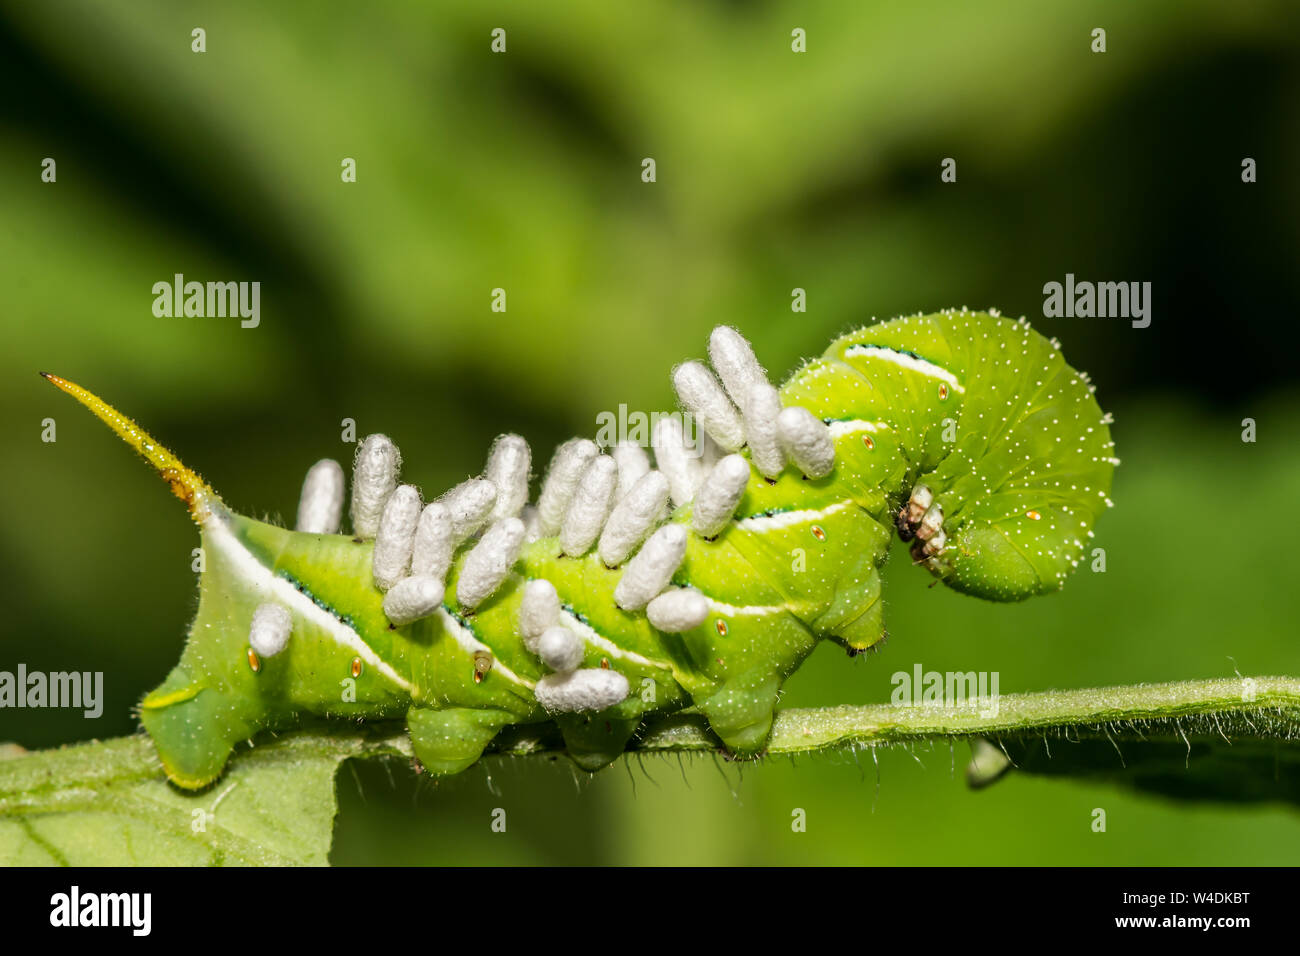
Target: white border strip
{"points": [[918, 365]]}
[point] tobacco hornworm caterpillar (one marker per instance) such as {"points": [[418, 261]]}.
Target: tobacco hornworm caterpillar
{"points": [[600, 605]]}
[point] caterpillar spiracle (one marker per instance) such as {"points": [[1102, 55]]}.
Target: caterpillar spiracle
{"points": [[964, 432]]}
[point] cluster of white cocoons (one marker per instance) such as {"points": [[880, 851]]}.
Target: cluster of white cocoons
{"points": [[772, 433], [571, 688], [415, 543], [679, 462], [735, 408], [615, 503]]}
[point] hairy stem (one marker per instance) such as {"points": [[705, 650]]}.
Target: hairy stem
{"points": [[1236, 711]]}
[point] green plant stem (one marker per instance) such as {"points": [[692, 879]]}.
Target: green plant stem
{"points": [[72, 777]]}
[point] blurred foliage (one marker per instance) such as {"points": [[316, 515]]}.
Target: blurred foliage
{"points": [[775, 170]]}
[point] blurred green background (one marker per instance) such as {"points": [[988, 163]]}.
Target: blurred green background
{"points": [[775, 170]]}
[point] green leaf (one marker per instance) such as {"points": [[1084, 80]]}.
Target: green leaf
{"points": [[108, 803]]}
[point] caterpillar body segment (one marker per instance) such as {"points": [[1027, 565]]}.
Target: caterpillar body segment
{"points": [[1022, 470], [962, 432]]}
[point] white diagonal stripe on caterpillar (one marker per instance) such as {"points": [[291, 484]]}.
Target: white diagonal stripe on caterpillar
{"points": [[747, 610], [784, 519], [472, 645], [249, 570], [852, 426], [910, 362], [596, 639]]}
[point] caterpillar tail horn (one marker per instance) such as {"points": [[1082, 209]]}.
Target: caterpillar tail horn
{"points": [[185, 484]]}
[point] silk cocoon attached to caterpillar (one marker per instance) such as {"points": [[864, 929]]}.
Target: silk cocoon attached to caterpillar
{"points": [[630, 591]]}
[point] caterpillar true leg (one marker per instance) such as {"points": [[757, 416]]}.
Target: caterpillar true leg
{"points": [[910, 515]]}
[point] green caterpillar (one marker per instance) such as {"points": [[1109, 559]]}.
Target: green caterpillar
{"points": [[627, 591]]}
